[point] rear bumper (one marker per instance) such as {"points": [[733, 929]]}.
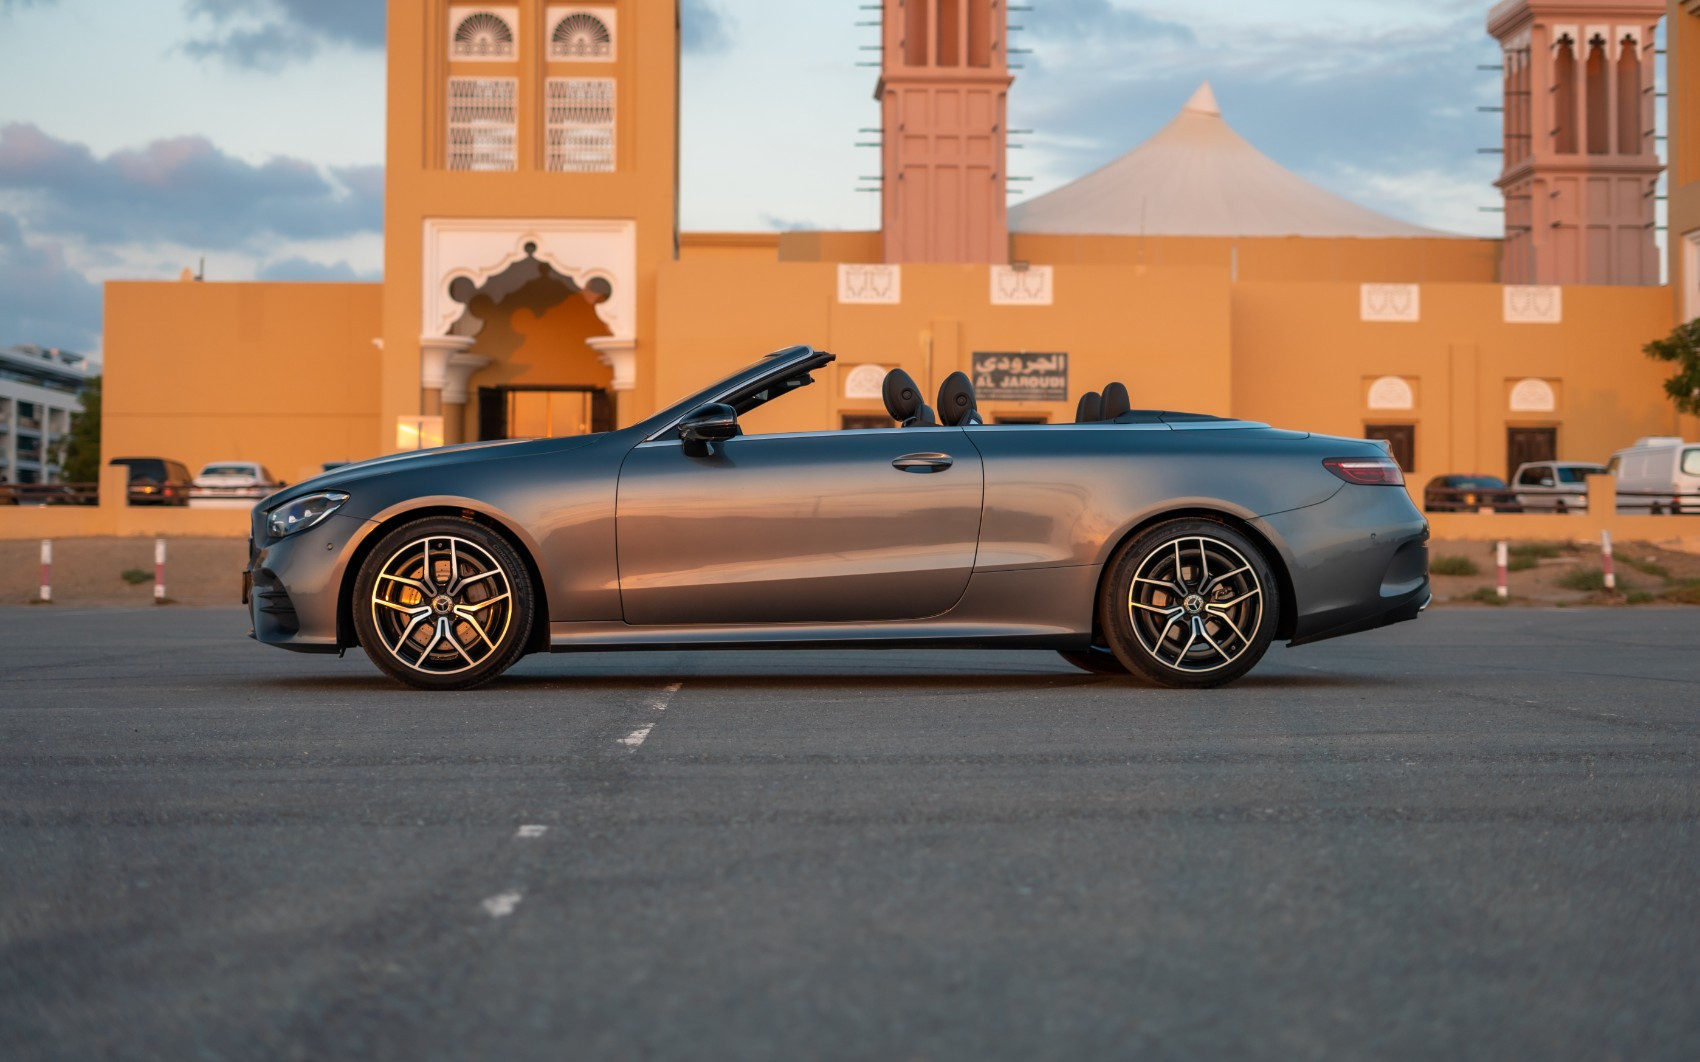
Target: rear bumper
{"points": [[1358, 561]]}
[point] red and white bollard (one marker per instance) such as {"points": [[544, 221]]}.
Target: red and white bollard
{"points": [[159, 571], [1503, 561], [47, 570], [1605, 560]]}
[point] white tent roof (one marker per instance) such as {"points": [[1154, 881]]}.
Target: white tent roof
{"points": [[1197, 177]]}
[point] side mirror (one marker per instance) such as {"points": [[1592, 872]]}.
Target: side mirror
{"points": [[712, 423]]}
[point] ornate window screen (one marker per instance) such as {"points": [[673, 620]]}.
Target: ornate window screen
{"points": [[482, 123], [580, 114], [581, 34], [483, 34]]}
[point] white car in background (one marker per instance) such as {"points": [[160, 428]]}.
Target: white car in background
{"points": [[1558, 486], [232, 485], [1659, 474]]}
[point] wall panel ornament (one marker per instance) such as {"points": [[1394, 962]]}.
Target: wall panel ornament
{"points": [[1392, 392], [865, 381], [582, 34], [1013, 286], [477, 249], [1533, 395], [484, 34], [1390, 302], [881, 284], [1534, 304]]}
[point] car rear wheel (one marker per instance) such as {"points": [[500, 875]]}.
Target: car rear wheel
{"points": [[1189, 603], [443, 604], [1100, 660]]}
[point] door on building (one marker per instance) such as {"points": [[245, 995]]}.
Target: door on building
{"points": [[1529, 444], [542, 412], [1401, 440]]}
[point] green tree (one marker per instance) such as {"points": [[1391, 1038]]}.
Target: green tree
{"points": [[1683, 347], [79, 450]]}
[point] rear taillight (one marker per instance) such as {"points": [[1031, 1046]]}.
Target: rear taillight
{"points": [[1367, 471]]}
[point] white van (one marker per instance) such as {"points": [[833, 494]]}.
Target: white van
{"points": [[1659, 474]]}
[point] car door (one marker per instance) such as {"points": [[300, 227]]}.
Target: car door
{"points": [[806, 527]]}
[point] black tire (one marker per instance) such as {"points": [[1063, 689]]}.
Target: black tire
{"points": [[443, 603], [1099, 660], [1189, 603]]}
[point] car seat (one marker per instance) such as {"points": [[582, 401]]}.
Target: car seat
{"points": [[903, 401], [1087, 411], [1115, 401], [957, 406]]}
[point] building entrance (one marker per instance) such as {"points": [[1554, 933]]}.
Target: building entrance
{"points": [[542, 411], [1529, 444]]}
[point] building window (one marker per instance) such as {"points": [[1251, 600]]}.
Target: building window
{"points": [[1691, 275], [1401, 440], [581, 35], [482, 34], [580, 124], [864, 421], [1564, 98], [482, 123]]}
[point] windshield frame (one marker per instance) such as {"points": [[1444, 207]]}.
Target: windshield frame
{"points": [[792, 361]]}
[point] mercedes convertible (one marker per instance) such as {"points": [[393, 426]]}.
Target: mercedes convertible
{"points": [[1171, 547]]}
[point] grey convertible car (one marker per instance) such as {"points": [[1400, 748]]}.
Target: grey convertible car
{"points": [[1172, 546]]}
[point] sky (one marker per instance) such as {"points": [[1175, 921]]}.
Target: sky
{"points": [[138, 137]]}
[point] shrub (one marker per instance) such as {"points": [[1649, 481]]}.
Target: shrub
{"points": [[1640, 597], [1452, 564], [1487, 595], [1588, 580], [1646, 566], [1525, 555], [134, 576]]}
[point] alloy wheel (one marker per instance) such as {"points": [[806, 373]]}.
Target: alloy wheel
{"points": [[441, 605], [1196, 604]]}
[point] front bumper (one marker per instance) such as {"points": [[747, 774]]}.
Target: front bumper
{"points": [[1358, 561], [292, 586]]}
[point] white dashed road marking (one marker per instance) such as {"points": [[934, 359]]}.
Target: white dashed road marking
{"points": [[532, 831], [659, 703], [502, 904]]}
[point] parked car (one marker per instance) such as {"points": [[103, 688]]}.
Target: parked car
{"points": [[1174, 546], [1659, 474], [224, 483], [1455, 493], [156, 480], [1561, 486]]}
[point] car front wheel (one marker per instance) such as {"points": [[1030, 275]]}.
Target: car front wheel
{"points": [[1189, 603], [443, 604]]}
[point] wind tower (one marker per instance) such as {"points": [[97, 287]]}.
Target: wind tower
{"points": [[1581, 164], [943, 92]]}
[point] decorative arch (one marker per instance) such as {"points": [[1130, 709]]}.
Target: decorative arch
{"points": [[1533, 395], [1392, 392], [598, 256], [584, 34], [483, 33]]}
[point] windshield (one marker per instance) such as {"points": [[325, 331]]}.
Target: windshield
{"points": [[1691, 461], [228, 470]]}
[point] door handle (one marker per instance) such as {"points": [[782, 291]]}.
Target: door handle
{"points": [[922, 462]]}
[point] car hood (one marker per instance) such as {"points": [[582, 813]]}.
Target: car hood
{"points": [[347, 476]]}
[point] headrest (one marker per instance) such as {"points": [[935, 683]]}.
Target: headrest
{"points": [[902, 395], [1087, 411], [923, 418], [1115, 401], [956, 400]]}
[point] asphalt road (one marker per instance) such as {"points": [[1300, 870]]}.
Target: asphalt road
{"points": [[1473, 836]]}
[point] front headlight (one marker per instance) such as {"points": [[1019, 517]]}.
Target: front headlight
{"points": [[303, 513]]}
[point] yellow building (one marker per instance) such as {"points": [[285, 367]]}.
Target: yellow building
{"points": [[536, 281]]}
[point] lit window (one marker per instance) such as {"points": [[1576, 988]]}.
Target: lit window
{"points": [[581, 124], [482, 123]]}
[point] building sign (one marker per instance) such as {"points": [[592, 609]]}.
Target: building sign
{"points": [[1021, 377]]}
